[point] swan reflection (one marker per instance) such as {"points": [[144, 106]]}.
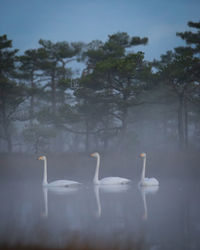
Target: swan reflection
{"points": [[145, 190], [114, 188], [107, 189], [45, 194], [57, 191], [96, 192]]}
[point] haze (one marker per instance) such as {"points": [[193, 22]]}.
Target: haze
{"points": [[119, 78]]}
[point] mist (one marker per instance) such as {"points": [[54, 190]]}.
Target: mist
{"points": [[142, 117]]}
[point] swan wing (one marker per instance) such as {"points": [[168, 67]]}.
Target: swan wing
{"points": [[62, 183], [154, 181], [149, 182], [113, 181]]}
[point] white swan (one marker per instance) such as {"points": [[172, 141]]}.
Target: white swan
{"points": [[107, 180], [144, 180], [58, 183]]}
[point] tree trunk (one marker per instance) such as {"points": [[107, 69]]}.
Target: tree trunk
{"points": [[8, 137], [53, 93], [105, 143], [5, 124], [32, 101], [124, 114], [106, 133], [186, 122], [180, 121], [87, 137], [124, 124], [9, 141]]}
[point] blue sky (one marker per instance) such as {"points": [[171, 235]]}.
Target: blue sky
{"points": [[26, 21]]}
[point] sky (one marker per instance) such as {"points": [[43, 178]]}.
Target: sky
{"points": [[27, 21]]}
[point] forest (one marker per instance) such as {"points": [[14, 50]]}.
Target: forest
{"points": [[116, 100]]}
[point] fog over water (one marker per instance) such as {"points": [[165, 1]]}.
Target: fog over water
{"points": [[117, 104], [166, 217]]}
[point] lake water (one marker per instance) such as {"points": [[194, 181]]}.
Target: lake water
{"points": [[164, 218]]}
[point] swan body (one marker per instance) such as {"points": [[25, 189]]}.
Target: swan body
{"points": [[144, 180], [60, 183], [149, 182], [57, 183], [112, 181], [107, 180]]}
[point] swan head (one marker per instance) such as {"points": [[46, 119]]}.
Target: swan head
{"points": [[42, 158], [95, 154], [143, 155]]}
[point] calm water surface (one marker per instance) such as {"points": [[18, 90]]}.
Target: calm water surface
{"points": [[164, 218]]}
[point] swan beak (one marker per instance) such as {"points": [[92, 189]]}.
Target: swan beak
{"points": [[142, 155], [92, 155], [39, 158]]}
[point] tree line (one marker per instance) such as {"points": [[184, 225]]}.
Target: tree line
{"points": [[46, 106]]}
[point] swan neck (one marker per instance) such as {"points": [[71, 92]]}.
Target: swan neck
{"points": [[96, 175], [45, 173], [143, 168]]}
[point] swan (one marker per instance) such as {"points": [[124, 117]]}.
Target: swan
{"points": [[57, 183], [144, 180], [107, 180]]}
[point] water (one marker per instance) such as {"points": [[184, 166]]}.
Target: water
{"points": [[166, 218]]}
